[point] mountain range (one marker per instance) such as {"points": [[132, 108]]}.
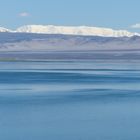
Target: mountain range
{"points": [[55, 42], [71, 30]]}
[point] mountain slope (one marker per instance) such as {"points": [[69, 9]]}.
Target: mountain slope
{"points": [[58, 42], [29, 46]]}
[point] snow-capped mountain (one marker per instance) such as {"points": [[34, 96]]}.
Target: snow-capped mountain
{"points": [[62, 42], [4, 30], [79, 30], [71, 30]]}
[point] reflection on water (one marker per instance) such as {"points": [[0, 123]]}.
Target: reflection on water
{"points": [[69, 100]]}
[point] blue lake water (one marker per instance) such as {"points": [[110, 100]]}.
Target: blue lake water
{"points": [[72, 100]]}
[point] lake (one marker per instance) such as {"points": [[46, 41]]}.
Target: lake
{"points": [[70, 100]]}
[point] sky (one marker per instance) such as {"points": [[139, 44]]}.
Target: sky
{"points": [[116, 14]]}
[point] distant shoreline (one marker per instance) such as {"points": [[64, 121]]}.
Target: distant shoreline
{"points": [[70, 56]]}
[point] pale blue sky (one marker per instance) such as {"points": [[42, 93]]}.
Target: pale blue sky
{"points": [[117, 14]]}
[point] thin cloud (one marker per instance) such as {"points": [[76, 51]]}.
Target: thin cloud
{"points": [[136, 26], [24, 14]]}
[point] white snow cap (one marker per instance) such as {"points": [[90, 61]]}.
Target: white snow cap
{"points": [[4, 30], [72, 30]]}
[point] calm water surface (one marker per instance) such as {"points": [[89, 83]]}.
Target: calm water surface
{"points": [[69, 100]]}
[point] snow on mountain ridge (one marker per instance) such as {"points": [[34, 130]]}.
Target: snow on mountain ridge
{"points": [[71, 30], [4, 30]]}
